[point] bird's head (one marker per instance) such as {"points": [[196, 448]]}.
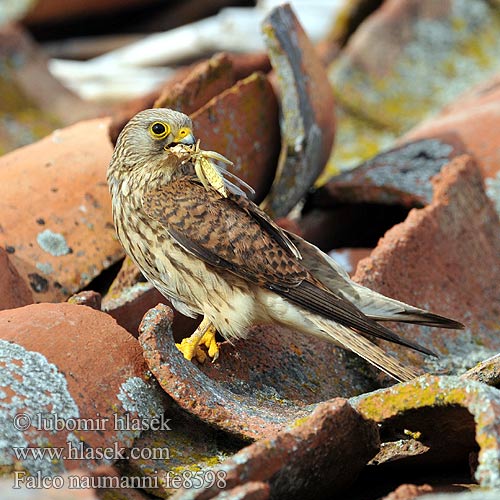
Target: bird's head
{"points": [[144, 143]]}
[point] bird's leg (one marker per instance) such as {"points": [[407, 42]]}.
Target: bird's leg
{"points": [[203, 335]]}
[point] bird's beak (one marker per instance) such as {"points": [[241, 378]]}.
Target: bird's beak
{"points": [[185, 136]]}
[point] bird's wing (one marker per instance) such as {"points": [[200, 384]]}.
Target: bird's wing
{"points": [[323, 267], [235, 235], [228, 233], [371, 303]]}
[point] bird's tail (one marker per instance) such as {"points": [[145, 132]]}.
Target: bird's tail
{"points": [[381, 308], [363, 347], [420, 317]]}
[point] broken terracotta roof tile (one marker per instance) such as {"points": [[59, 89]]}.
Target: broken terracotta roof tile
{"points": [[444, 258], [58, 188], [70, 377]]}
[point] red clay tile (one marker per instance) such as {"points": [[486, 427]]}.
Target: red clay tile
{"points": [[59, 487], [444, 258], [87, 298], [46, 11], [189, 453], [409, 491], [133, 303], [14, 291], [57, 188], [408, 59], [246, 64], [307, 108], [241, 123], [258, 384], [193, 86], [129, 298], [254, 490], [399, 176], [61, 364], [449, 415], [474, 118], [487, 372], [315, 457]]}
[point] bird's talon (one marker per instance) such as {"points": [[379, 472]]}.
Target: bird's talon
{"points": [[208, 340], [190, 351], [200, 355], [215, 355], [203, 336], [186, 348]]}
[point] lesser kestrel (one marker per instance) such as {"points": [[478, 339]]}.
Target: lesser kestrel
{"points": [[212, 251]]}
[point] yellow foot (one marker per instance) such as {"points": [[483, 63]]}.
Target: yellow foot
{"points": [[204, 335], [208, 340]]}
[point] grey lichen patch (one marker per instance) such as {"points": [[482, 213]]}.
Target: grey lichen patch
{"points": [[30, 385], [142, 400], [489, 467], [45, 267], [138, 396], [437, 60], [493, 190], [53, 243], [411, 167], [462, 356]]}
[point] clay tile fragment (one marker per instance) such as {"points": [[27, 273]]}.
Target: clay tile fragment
{"points": [[474, 118], [202, 396], [29, 111], [409, 492], [130, 297], [395, 69], [14, 291], [50, 11], [257, 385], [57, 188], [314, 457], [205, 81], [193, 86], [188, 446], [131, 304], [444, 258], [487, 372], [400, 176], [449, 415], [307, 107], [87, 298], [242, 124], [72, 374], [58, 488], [254, 490]]}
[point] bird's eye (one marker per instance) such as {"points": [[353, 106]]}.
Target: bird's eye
{"points": [[159, 130]]}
